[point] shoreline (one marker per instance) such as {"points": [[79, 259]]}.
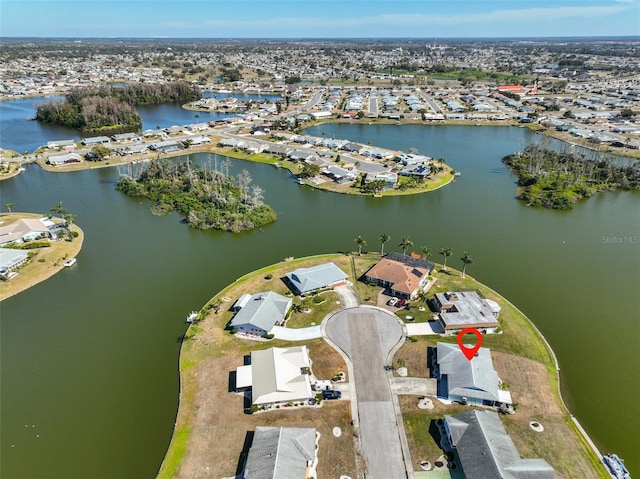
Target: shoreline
{"points": [[179, 442], [40, 272]]}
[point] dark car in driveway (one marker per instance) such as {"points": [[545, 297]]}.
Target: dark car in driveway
{"points": [[331, 394]]}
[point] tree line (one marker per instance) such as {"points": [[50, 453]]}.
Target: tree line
{"points": [[557, 179], [207, 197], [111, 107]]}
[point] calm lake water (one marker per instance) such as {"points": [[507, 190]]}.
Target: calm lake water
{"points": [[20, 134], [89, 382]]}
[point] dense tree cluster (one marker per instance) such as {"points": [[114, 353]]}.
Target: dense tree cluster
{"points": [[112, 107], [206, 198], [556, 179]]}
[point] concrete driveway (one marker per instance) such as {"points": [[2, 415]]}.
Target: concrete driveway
{"points": [[367, 336]]}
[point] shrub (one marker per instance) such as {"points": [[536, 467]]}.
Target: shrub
{"points": [[75, 234], [268, 277], [254, 408], [268, 336]]}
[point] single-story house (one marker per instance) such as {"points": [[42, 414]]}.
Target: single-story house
{"points": [[353, 147], [10, 259], [66, 159], [281, 452], [60, 144], [95, 140], [132, 149], [276, 149], [196, 140], [230, 143], [486, 450], [340, 175], [26, 229], [416, 171], [473, 382], [306, 280], [318, 115], [168, 146], [277, 375], [260, 313], [413, 159], [300, 155], [466, 309], [402, 275], [125, 137]]}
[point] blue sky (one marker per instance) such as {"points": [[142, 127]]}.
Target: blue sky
{"points": [[318, 19]]}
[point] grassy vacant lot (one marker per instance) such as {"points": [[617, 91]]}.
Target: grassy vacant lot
{"points": [[46, 261], [212, 426], [525, 364]]}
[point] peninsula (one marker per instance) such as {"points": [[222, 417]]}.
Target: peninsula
{"points": [[212, 410], [33, 248]]}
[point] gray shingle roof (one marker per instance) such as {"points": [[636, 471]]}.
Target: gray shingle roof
{"points": [[471, 379], [304, 280], [282, 453], [263, 310], [486, 451]]}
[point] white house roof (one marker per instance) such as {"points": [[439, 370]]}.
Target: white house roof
{"points": [[20, 228], [262, 310], [282, 453], [9, 258], [487, 452], [309, 279], [472, 379], [280, 375]]}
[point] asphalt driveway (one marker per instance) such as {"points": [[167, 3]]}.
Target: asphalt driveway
{"points": [[367, 336]]}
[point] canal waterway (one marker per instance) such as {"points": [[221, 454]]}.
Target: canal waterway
{"points": [[89, 384]]}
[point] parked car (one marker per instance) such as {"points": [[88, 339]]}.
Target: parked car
{"points": [[392, 302], [401, 303], [331, 394]]}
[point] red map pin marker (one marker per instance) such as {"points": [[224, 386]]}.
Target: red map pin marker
{"points": [[469, 352]]}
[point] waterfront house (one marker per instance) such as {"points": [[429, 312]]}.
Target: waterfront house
{"points": [[472, 382], [486, 451], [168, 146], [306, 280], [401, 275], [27, 229], [62, 160], [466, 309], [416, 171], [67, 145], [95, 140], [259, 313], [125, 137], [281, 452], [231, 143], [277, 375], [340, 175], [10, 259]]}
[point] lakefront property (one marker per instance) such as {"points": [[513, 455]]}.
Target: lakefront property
{"points": [[285, 391]]}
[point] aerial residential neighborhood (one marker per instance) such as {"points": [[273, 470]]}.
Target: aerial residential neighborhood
{"points": [[320, 345]]}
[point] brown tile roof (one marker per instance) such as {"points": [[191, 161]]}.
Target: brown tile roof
{"points": [[403, 278]]}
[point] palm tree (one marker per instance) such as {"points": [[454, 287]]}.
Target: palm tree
{"points": [[446, 252], [8, 206], [59, 209], [383, 239], [360, 241], [466, 259], [405, 243], [426, 251]]}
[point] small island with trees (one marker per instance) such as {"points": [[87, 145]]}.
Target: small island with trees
{"points": [[557, 179], [207, 198], [111, 109]]}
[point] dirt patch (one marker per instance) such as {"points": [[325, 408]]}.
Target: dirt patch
{"points": [[413, 356], [219, 426]]}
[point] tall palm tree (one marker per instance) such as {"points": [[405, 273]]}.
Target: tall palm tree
{"points": [[405, 243], [61, 210], [426, 252], [360, 241], [466, 259], [8, 206], [383, 239], [446, 252]]}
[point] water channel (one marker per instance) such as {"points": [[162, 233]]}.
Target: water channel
{"points": [[89, 382]]}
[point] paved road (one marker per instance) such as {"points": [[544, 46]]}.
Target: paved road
{"points": [[367, 336]]}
